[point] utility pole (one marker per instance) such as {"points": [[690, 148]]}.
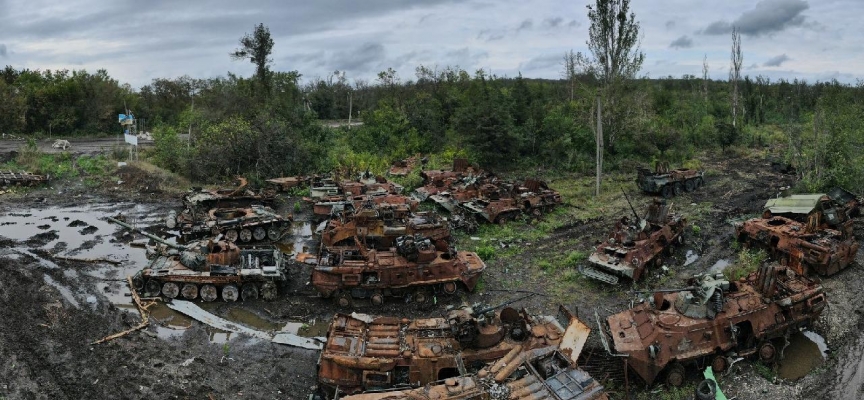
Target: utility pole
{"points": [[191, 118], [599, 141], [350, 103]]}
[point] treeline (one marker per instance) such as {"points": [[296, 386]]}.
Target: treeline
{"points": [[268, 127]]}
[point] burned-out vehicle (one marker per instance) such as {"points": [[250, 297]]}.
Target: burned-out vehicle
{"points": [[328, 207], [847, 200], [323, 187], [668, 182], [712, 321], [493, 211], [209, 270], [403, 167], [802, 247], [10, 178], [413, 269], [819, 211], [287, 183], [378, 227], [536, 197], [634, 245], [199, 199], [254, 224], [373, 353]]}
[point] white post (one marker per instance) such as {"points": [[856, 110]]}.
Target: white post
{"points": [[599, 141]]}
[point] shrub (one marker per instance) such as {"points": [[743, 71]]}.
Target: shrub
{"points": [[486, 253]]}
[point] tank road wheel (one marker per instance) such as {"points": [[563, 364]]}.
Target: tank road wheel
{"points": [[152, 287], [675, 376], [138, 283], [699, 182], [666, 192], [170, 290], [344, 300], [449, 287], [245, 235], [767, 352], [269, 292], [719, 363], [230, 293], [677, 189], [273, 233], [259, 234], [249, 292], [231, 235], [377, 299], [190, 291], [209, 292], [502, 219], [690, 185], [421, 297]]}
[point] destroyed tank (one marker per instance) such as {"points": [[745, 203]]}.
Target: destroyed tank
{"points": [[713, 321], [330, 206], [493, 211], [209, 270], [633, 246], [23, 178], [200, 200], [820, 211], [378, 227], [374, 353], [254, 224], [802, 247], [536, 197], [414, 269], [668, 182]]}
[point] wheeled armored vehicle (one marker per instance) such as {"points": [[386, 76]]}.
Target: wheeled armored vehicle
{"points": [[668, 183]]}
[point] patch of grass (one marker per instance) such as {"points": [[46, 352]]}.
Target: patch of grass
{"points": [[570, 275], [297, 207], [298, 191], [546, 265], [574, 258], [696, 229], [748, 261], [97, 165], [764, 371], [486, 252], [683, 392]]}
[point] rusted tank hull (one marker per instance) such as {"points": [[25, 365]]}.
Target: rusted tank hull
{"points": [[669, 183]]}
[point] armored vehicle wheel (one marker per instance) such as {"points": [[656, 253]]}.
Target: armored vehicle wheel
{"points": [[699, 182], [215, 231], [190, 291], [230, 293], [666, 192], [449, 287], [421, 297], [170, 290], [249, 292], [677, 188], [269, 292], [719, 364], [377, 299], [690, 185], [675, 376], [259, 234], [138, 283], [273, 233], [152, 287], [245, 235], [209, 292], [231, 235], [502, 219], [344, 300], [767, 352]]}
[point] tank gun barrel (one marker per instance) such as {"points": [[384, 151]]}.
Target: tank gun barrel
{"points": [[631, 205], [684, 289], [506, 303], [141, 231]]}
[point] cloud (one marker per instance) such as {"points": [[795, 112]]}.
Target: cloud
{"points": [[362, 59], [768, 17], [2, 50], [526, 24], [776, 61], [573, 24], [542, 62], [683, 42], [670, 24], [553, 22]]}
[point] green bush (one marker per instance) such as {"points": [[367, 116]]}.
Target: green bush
{"points": [[486, 252], [574, 258], [748, 262]]}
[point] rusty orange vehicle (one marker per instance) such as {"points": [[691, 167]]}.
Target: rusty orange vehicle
{"points": [[330, 206], [802, 247], [365, 353], [378, 227], [633, 246], [414, 269], [712, 321]]}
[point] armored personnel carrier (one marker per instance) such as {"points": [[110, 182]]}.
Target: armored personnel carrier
{"points": [[253, 224], [633, 246], [493, 211], [802, 247], [209, 270], [201, 200], [378, 227], [414, 269], [712, 320], [373, 353], [668, 182]]}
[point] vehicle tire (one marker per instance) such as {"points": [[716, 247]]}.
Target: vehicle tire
{"points": [[209, 292], [666, 191], [678, 188], [706, 390], [719, 363], [767, 352], [273, 233], [231, 235], [249, 292], [344, 300], [189, 291], [377, 299], [449, 287], [152, 287], [171, 290], [675, 376], [245, 235], [230, 293], [421, 297], [269, 291], [138, 283], [690, 185], [502, 220], [259, 234]]}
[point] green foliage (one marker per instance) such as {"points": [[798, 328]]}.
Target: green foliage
{"points": [[546, 265], [696, 229], [297, 207], [96, 165], [574, 258], [748, 262], [764, 371], [486, 252]]}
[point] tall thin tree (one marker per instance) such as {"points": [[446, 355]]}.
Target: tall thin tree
{"points": [[735, 74]]}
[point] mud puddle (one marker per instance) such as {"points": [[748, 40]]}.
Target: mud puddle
{"points": [[301, 239], [806, 351]]}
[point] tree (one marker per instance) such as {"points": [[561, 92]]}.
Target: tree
{"points": [[257, 48], [705, 79], [735, 73]]}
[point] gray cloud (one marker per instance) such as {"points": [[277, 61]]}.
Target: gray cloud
{"points": [[573, 24], [768, 17], [683, 42], [363, 58], [464, 57], [2, 50], [776, 61], [542, 62], [670, 24], [526, 24], [553, 22]]}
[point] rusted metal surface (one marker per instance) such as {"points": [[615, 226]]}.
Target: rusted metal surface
{"points": [[253, 224], [201, 200], [668, 182], [634, 246], [802, 247], [405, 166], [287, 182], [335, 205], [8, 178], [492, 211], [848, 201], [712, 320], [816, 211], [415, 269], [369, 353], [378, 227]]}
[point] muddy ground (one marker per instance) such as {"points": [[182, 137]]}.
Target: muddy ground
{"points": [[54, 309]]}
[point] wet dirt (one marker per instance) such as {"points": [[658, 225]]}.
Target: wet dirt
{"points": [[806, 351]]}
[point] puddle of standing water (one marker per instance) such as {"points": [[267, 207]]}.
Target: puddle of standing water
{"points": [[301, 234], [313, 329], [806, 351], [690, 258]]}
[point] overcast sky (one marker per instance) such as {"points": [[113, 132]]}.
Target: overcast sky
{"points": [[137, 41]]}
